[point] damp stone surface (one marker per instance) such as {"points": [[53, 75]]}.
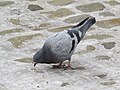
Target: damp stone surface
{"points": [[25, 25]]}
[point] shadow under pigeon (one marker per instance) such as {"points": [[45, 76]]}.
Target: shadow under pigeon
{"points": [[79, 68], [74, 68]]}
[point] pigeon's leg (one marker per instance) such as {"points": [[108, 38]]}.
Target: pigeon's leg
{"points": [[58, 66], [68, 66]]}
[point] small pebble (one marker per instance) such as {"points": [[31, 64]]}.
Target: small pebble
{"points": [[64, 84], [38, 86]]}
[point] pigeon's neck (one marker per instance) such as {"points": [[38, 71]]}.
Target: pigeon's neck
{"points": [[83, 32]]}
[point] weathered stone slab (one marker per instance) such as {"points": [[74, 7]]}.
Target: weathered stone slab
{"points": [[91, 7], [106, 14], [101, 75], [59, 13], [109, 45], [5, 3], [33, 7], [18, 41], [113, 3], [90, 48], [42, 26], [102, 57], [98, 36], [76, 19], [11, 31], [109, 23], [60, 2], [108, 83]]}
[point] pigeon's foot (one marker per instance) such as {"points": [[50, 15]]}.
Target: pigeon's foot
{"points": [[58, 66], [68, 67]]}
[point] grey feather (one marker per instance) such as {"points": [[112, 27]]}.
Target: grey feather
{"points": [[61, 46]]}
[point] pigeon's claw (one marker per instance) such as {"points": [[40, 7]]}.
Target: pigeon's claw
{"points": [[68, 67], [58, 66]]}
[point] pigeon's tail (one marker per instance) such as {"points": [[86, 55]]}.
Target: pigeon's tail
{"points": [[84, 25]]}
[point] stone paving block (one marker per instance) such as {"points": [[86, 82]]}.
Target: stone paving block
{"points": [[113, 3], [109, 23], [5, 3], [34, 7], [91, 7], [105, 14], [60, 2]]}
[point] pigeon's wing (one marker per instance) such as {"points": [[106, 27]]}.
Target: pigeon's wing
{"points": [[61, 43]]}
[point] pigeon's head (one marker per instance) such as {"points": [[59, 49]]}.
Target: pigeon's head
{"points": [[38, 57], [84, 25], [89, 22]]}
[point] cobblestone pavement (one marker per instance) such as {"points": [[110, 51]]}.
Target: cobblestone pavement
{"points": [[24, 27]]}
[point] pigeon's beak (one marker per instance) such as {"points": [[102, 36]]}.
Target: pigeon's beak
{"points": [[35, 64]]}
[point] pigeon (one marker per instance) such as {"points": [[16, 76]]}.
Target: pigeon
{"points": [[60, 46]]}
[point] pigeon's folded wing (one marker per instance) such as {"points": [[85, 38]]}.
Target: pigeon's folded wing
{"points": [[60, 44]]}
